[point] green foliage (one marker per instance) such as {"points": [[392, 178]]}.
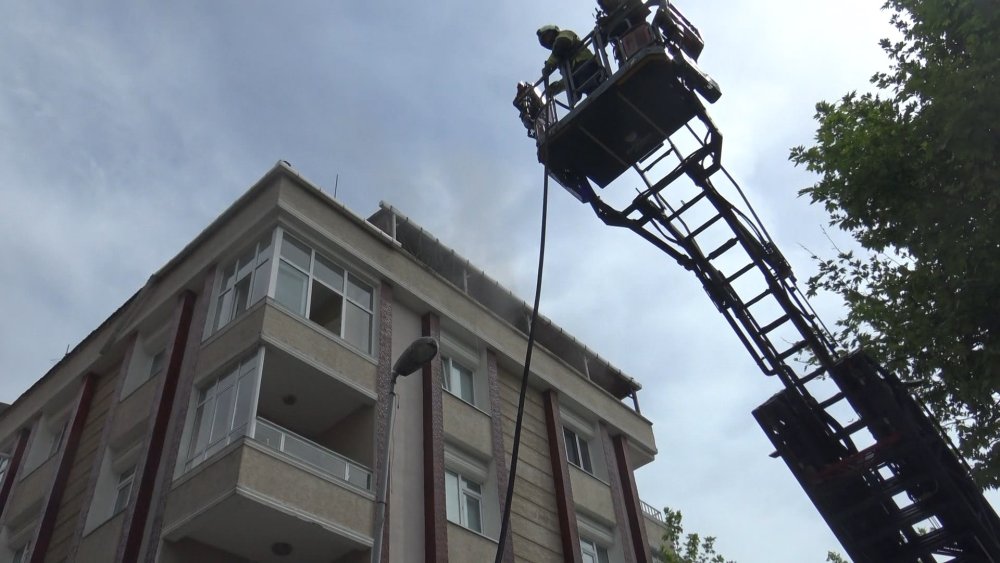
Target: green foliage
{"points": [[912, 173], [834, 557], [692, 548]]}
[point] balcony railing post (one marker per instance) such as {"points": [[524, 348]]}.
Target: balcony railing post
{"points": [[653, 513]]}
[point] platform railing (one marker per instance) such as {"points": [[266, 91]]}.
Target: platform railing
{"points": [[311, 453], [628, 31]]}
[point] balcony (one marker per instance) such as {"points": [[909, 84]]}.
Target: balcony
{"points": [[316, 417], [250, 497], [649, 512], [329, 462], [277, 453]]}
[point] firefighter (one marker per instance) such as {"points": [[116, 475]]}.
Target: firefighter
{"points": [[619, 16], [567, 47]]}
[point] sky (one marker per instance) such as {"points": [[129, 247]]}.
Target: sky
{"points": [[126, 127]]}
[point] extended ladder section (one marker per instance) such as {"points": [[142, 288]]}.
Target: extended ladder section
{"points": [[876, 466]]}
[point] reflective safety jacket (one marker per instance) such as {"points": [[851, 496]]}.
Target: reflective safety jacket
{"points": [[567, 46]]}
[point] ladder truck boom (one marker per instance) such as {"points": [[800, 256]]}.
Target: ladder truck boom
{"points": [[869, 455]]}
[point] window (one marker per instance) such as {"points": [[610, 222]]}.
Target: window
{"points": [[223, 411], [470, 484], [115, 484], [577, 451], [156, 363], [314, 287], [244, 282], [4, 465], [457, 380], [123, 492], [57, 438], [460, 363], [464, 501], [148, 358], [592, 551], [49, 434]]}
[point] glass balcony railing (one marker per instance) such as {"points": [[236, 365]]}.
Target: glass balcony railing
{"points": [[313, 454]]}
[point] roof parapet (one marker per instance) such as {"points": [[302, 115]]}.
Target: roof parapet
{"points": [[430, 251]]}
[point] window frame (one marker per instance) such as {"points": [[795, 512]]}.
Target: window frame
{"points": [[6, 455], [58, 438], [244, 371], [596, 551], [451, 378], [578, 446], [349, 276], [144, 366], [255, 271], [118, 460], [126, 478], [456, 352], [157, 367], [48, 435], [464, 494]]}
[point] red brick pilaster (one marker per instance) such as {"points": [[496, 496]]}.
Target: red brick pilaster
{"points": [[499, 453], [565, 506], [382, 412], [47, 523], [95, 468], [13, 467], [630, 499], [138, 512], [175, 424], [435, 517]]}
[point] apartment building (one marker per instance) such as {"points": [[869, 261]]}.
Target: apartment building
{"points": [[232, 410]]}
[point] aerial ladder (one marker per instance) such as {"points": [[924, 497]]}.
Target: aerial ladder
{"points": [[871, 458]]}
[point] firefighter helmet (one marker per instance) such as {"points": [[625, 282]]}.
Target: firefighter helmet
{"points": [[547, 34]]}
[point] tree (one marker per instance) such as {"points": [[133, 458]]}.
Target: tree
{"points": [[911, 172], [693, 548]]}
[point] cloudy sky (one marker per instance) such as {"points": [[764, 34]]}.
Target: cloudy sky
{"points": [[125, 127]]}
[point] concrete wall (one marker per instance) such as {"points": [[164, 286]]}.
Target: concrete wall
{"points": [[206, 483], [190, 551], [355, 557], [134, 411], [229, 343], [465, 545], [290, 485], [101, 543], [534, 521], [592, 494], [466, 425], [406, 490], [353, 436], [29, 492], [281, 326], [654, 532], [262, 472]]}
